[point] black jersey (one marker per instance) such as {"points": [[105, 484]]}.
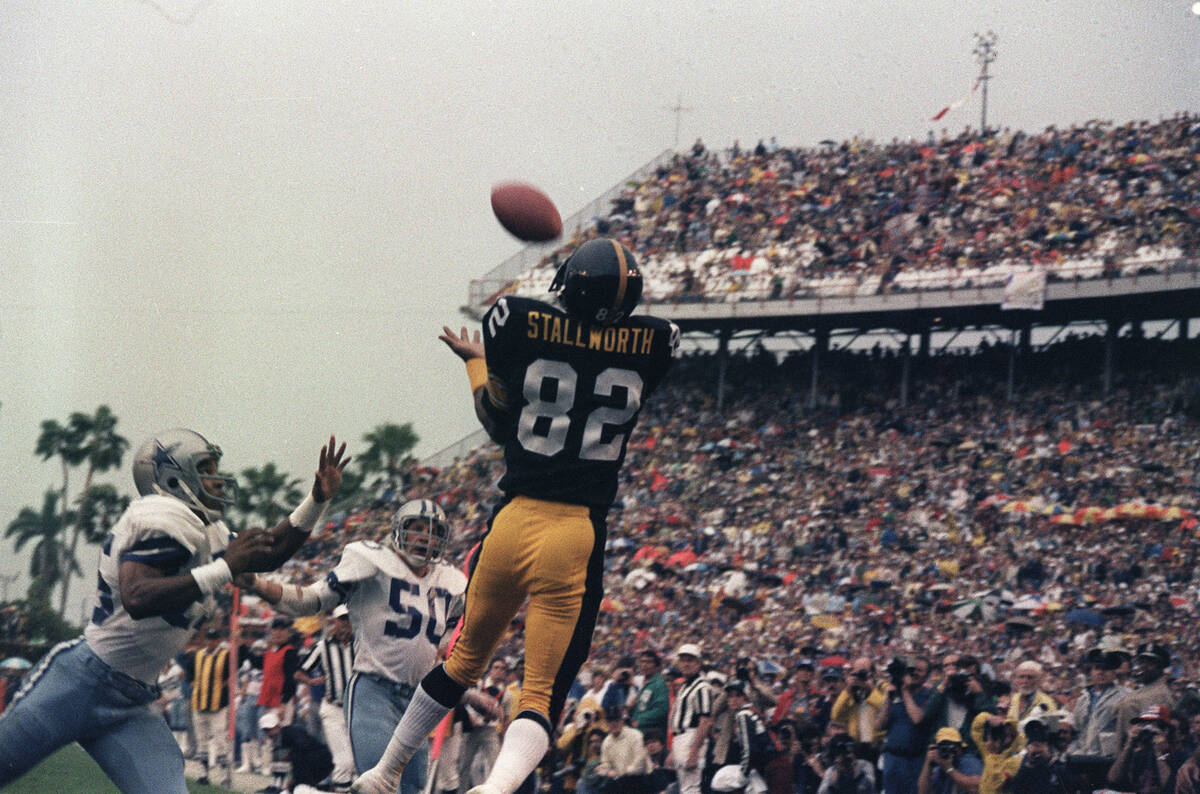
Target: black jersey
{"points": [[565, 395]]}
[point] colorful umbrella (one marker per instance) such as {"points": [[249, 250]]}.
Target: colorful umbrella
{"points": [[824, 621], [1085, 617]]}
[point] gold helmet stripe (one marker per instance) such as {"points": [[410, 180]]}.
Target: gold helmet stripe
{"points": [[622, 273]]}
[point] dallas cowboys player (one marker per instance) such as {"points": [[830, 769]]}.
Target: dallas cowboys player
{"points": [[165, 558], [402, 599]]}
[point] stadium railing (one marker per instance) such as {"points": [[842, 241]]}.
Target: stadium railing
{"points": [[748, 287]]}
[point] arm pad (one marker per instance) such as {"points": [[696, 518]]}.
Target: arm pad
{"points": [[299, 601]]}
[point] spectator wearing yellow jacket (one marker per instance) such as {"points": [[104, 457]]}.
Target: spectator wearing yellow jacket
{"points": [[1027, 697], [999, 744], [859, 703]]}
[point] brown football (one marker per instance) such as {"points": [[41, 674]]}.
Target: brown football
{"points": [[526, 212]]}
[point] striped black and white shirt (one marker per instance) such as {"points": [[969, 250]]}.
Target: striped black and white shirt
{"points": [[335, 661], [693, 703]]}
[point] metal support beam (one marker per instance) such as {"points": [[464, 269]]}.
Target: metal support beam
{"points": [[722, 366], [1012, 364], [820, 347], [905, 367], [1110, 346]]}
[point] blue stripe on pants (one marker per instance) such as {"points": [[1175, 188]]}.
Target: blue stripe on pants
{"points": [[374, 707], [75, 697]]}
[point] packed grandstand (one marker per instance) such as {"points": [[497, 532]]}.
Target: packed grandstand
{"points": [[864, 218]]}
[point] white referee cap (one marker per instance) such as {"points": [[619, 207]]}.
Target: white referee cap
{"points": [[340, 611], [688, 649]]}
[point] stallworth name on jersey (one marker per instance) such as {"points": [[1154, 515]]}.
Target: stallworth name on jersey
{"points": [[556, 329]]}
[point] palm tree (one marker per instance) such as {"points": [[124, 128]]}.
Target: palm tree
{"points": [[102, 446], [388, 448], [45, 529], [85, 438], [99, 508], [267, 493]]}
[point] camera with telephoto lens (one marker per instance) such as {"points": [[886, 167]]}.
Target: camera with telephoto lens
{"points": [[1037, 731], [991, 731], [743, 668], [1145, 736], [956, 686], [841, 747], [896, 669]]}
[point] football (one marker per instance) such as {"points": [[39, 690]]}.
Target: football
{"points": [[526, 212]]}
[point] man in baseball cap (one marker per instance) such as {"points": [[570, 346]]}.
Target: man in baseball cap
{"points": [[948, 766], [1150, 662], [691, 718]]}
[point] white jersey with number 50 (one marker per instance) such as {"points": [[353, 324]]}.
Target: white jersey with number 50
{"points": [[399, 618]]}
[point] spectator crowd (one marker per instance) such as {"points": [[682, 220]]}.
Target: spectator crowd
{"points": [[862, 218], [962, 593]]}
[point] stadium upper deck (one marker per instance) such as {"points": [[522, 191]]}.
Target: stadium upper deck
{"points": [[908, 235]]}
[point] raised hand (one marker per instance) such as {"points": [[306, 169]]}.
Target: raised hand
{"points": [[463, 344], [329, 471]]}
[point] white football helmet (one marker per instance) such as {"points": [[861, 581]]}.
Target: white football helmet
{"points": [[420, 532], [167, 464]]}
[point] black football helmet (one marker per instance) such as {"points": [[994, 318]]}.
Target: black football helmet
{"points": [[599, 283]]}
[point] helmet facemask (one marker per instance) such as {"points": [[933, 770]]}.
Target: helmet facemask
{"points": [[420, 533], [169, 464]]}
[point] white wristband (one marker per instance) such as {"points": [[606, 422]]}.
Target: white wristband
{"points": [[307, 514], [213, 576]]}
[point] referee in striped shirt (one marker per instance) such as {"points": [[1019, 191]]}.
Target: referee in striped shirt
{"points": [[691, 718], [331, 662], [208, 673]]}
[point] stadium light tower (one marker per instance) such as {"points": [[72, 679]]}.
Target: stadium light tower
{"points": [[678, 109], [985, 53]]}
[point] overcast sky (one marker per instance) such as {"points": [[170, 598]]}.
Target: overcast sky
{"points": [[252, 219]]}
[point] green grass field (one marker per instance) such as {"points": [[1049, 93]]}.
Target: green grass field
{"points": [[71, 771]]}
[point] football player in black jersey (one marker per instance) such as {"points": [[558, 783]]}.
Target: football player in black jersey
{"points": [[560, 389]]}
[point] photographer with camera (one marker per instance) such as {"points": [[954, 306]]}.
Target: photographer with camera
{"points": [[1044, 768], [962, 694], [574, 747], [949, 767], [800, 754], [858, 705], [1150, 756], [904, 717], [845, 773], [999, 742], [621, 689], [1150, 662]]}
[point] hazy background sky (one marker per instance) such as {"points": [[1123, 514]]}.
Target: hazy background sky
{"points": [[252, 219]]}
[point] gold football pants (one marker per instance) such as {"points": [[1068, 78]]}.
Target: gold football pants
{"points": [[553, 554]]}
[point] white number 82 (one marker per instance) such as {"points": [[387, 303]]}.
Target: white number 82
{"points": [[555, 438]]}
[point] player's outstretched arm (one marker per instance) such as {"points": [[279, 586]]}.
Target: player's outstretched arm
{"points": [[290, 599], [291, 533], [146, 591], [470, 350]]}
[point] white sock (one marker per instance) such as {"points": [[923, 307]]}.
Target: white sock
{"points": [[525, 745], [420, 718]]}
